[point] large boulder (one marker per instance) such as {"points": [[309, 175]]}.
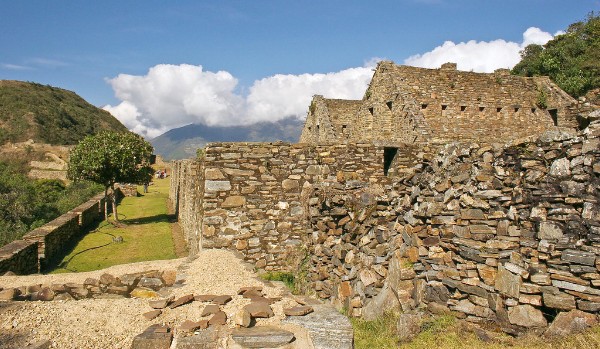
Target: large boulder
{"points": [[570, 322]]}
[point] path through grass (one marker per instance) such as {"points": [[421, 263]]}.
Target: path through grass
{"points": [[146, 233]]}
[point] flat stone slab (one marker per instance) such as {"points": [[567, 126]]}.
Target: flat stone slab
{"points": [[210, 309], [160, 303], [327, 328], [190, 326], [221, 300], [220, 318], [154, 337], [205, 297], [262, 337], [259, 310], [298, 311], [152, 314], [181, 301]]}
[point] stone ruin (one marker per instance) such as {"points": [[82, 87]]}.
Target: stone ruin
{"points": [[431, 107], [382, 209]]}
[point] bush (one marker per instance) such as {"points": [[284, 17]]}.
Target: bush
{"points": [[26, 204]]}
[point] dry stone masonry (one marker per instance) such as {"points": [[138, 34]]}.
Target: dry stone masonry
{"points": [[253, 197], [45, 245], [407, 105], [492, 234], [442, 190]]}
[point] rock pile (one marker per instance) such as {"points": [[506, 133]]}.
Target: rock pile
{"points": [[492, 234], [146, 284], [209, 329]]}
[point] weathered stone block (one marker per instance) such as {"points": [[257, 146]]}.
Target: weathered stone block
{"points": [[549, 231], [579, 257], [526, 316], [559, 300], [507, 283], [213, 186], [262, 337]]}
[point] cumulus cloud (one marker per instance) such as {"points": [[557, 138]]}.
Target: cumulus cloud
{"points": [[480, 56], [171, 96]]}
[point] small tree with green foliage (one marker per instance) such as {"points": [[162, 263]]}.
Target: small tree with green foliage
{"points": [[111, 157]]}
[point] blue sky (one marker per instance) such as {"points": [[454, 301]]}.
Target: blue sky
{"points": [[163, 64]]}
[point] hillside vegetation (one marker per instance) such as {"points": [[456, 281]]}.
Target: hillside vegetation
{"points": [[571, 60], [48, 114]]}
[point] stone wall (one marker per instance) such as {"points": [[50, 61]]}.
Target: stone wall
{"points": [[419, 106], [253, 197], [45, 245], [184, 194], [19, 257], [492, 234]]}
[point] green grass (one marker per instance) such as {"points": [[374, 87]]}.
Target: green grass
{"points": [[146, 233], [379, 333], [287, 278], [446, 332]]}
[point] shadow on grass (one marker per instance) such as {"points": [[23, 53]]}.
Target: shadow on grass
{"points": [[168, 218], [60, 263]]}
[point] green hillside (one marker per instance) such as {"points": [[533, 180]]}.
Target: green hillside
{"points": [[48, 114]]}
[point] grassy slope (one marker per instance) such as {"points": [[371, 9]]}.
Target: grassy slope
{"points": [[446, 332], [146, 236], [48, 114]]}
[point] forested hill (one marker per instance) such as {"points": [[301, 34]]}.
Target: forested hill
{"points": [[571, 60], [48, 114]]}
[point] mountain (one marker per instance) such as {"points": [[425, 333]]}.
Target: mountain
{"points": [[47, 114], [182, 142]]}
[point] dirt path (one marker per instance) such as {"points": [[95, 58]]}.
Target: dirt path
{"points": [[113, 323]]}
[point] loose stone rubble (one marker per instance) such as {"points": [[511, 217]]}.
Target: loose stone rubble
{"points": [[169, 316], [508, 235]]}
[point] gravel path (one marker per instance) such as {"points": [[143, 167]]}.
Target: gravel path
{"points": [[113, 323]]}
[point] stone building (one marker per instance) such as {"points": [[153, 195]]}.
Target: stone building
{"points": [[416, 106]]}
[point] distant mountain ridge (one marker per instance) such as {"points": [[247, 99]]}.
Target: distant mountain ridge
{"points": [[47, 114], [182, 142]]}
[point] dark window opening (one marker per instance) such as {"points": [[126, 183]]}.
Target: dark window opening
{"points": [[371, 111], [444, 107], [532, 110], [389, 105], [463, 107], [516, 109], [309, 128], [499, 109], [582, 122], [554, 116], [423, 106], [481, 109], [343, 129], [388, 157]]}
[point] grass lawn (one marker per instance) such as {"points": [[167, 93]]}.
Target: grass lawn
{"points": [[146, 233]]}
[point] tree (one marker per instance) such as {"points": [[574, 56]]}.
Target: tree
{"points": [[111, 157], [571, 60]]}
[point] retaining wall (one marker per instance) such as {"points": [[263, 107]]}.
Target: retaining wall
{"points": [[45, 245]]}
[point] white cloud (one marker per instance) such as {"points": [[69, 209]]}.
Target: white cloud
{"points": [[480, 56], [15, 66], [170, 96]]}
